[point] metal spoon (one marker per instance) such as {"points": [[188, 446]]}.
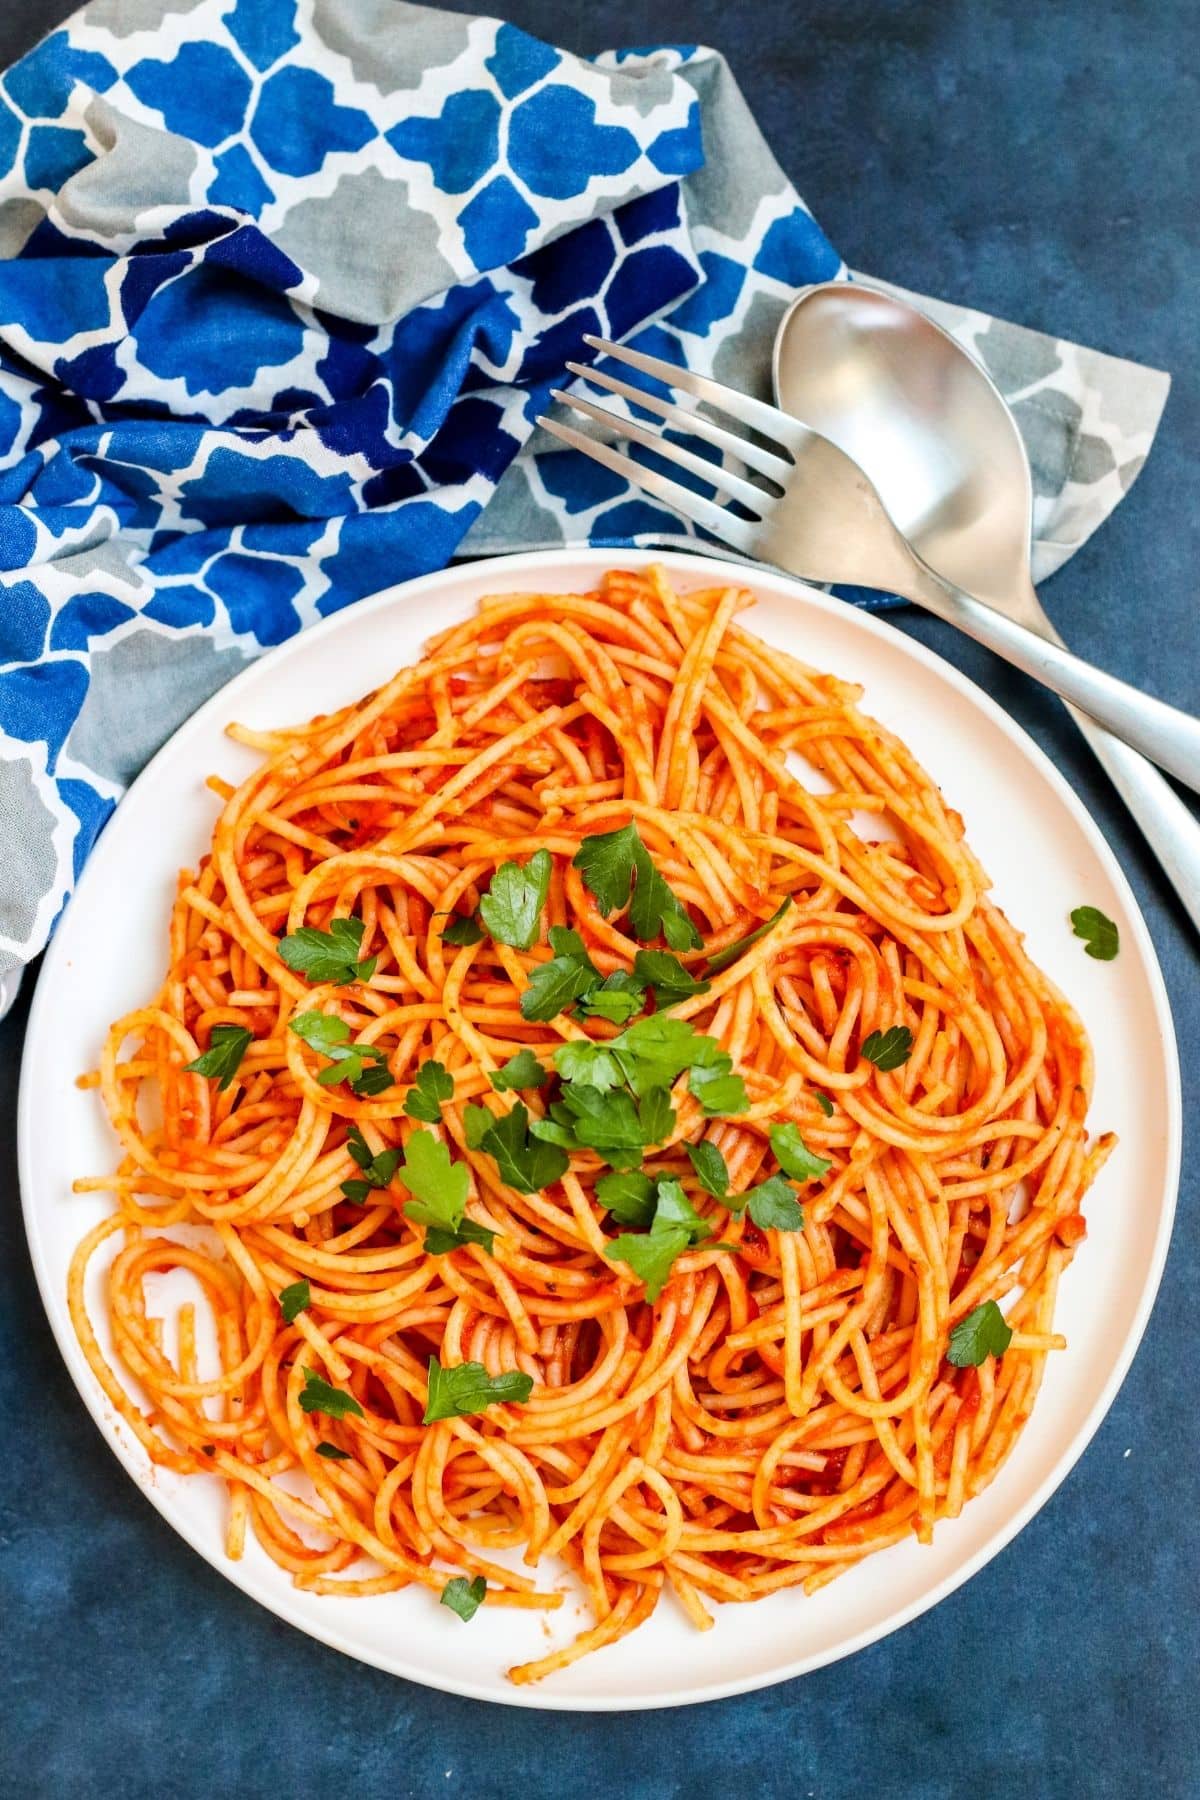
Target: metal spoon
{"points": [[937, 440]]}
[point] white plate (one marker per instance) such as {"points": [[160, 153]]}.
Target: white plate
{"points": [[1045, 856]]}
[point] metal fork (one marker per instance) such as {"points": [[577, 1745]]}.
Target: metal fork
{"points": [[820, 518]]}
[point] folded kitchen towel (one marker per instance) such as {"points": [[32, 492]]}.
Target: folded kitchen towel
{"points": [[283, 288]]}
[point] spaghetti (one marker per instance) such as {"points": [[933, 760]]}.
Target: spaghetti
{"points": [[788, 1404]]}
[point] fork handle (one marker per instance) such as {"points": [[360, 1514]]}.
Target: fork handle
{"points": [[1167, 736]]}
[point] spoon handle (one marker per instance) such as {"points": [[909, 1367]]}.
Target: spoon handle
{"points": [[1168, 825], [1167, 736]]}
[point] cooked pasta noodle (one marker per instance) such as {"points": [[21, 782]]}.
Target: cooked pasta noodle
{"points": [[786, 1406]]}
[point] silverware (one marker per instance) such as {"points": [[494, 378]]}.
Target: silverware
{"points": [[820, 517], [927, 426]]}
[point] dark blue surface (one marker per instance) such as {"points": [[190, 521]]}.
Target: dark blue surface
{"points": [[1040, 164]]}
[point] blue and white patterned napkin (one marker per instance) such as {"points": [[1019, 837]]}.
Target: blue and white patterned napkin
{"points": [[284, 285]]}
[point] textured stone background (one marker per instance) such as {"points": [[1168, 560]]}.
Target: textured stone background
{"points": [[1040, 163]]}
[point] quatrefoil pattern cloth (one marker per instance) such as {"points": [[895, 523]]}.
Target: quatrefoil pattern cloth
{"points": [[284, 285]]}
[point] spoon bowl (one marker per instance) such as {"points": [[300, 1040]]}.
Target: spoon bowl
{"points": [[925, 424]]}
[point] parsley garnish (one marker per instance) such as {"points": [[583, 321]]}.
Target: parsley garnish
{"points": [[512, 907], [731, 952], [319, 1397], [294, 1299], [477, 1122], [553, 985], [652, 1052], [439, 1187], [709, 1168], [464, 928], [328, 955], [464, 1597], [520, 1071], [628, 1195], [593, 1064], [617, 862], [666, 975], [717, 1088], [468, 1388], [227, 1044], [983, 1333], [377, 1169], [772, 1205], [433, 1085], [675, 1226], [347, 1061], [525, 1162], [331, 1453], [888, 1049], [1100, 935], [794, 1156], [617, 999], [650, 1254], [824, 1102], [610, 1119]]}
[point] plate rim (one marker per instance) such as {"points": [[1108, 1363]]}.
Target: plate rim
{"points": [[520, 564]]}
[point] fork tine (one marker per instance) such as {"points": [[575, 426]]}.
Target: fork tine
{"points": [[734, 485], [765, 461], [714, 518], [789, 432]]}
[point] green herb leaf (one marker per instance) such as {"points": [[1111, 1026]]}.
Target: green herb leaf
{"points": [[433, 1085], [654, 1051], [983, 1333], [606, 865], [593, 1064], [650, 1254], [439, 1186], [674, 1209], [525, 1162], [227, 1044], [512, 907], [331, 1037], [568, 976], [717, 1088], [377, 1170], [520, 1071], [1100, 935], [601, 1119], [319, 1397], [467, 1388], [629, 1196], [709, 1167], [331, 1453], [773, 1206], [464, 1597], [328, 955], [655, 908], [477, 1122], [888, 1049], [439, 1241], [824, 1102], [671, 982], [616, 861], [617, 999], [294, 1299], [464, 928], [794, 1156], [656, 1116], [369, 1082]]}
